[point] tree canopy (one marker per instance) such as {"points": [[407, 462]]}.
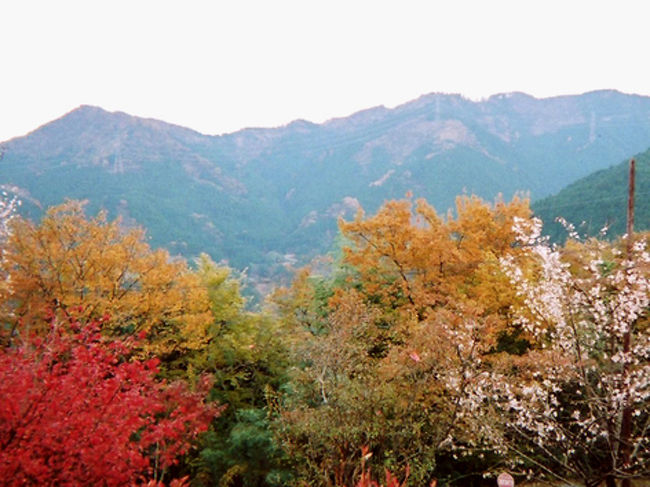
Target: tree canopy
{"points": [[97, 268]]}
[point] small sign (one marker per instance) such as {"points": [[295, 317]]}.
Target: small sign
{"points": [[505, 480]]}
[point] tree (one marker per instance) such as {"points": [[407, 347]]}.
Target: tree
{"points": [[7, 213], [398, 361], [75, 411], [247, 356], [585, 309], [96, 266], [416, 263]]}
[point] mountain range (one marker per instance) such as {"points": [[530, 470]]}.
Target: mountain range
{"points": [[268, 198]]}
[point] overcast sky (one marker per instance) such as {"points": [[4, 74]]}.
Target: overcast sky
{"points": [[218, 66]]}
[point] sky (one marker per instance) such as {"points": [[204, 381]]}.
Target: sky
{"points": [[222, 65]]}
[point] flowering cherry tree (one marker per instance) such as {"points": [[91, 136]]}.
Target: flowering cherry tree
{"points": [[580, 407], [8, 207]]}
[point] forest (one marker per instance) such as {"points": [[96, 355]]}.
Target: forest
{"points": [[427, 349]]}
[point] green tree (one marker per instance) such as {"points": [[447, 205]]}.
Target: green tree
{"points": [[247, 356]]}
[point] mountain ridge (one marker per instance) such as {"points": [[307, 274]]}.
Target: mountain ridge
{"points": [[268, 197], [496, 96]]}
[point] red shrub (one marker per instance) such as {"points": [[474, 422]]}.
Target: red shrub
{"points": [[75, 411]]}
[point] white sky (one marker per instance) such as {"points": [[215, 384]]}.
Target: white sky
{"points": [[218, 66]]}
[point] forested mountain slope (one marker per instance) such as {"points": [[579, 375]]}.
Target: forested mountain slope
{"points": [[262, 198], [598, 201]]}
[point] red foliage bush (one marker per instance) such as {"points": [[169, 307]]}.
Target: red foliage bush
{"points": [[75, 410], [366, 480]]}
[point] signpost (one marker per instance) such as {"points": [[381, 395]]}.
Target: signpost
{"points": [[505, 480]]}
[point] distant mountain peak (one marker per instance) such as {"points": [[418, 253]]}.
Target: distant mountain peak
{"points": [[92, 136], [88, 109], [86, 116], [91, 113]]}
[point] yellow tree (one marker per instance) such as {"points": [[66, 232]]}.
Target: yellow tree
{"points": [[414, 262], [93, 267]]}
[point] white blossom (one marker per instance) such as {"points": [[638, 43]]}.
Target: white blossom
{"points": [[581, 323]]}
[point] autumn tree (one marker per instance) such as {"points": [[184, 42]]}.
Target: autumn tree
{"points": [[247, 356], [418, 262], [580, 407], [398, 361], [99, 267], [75, 411]]}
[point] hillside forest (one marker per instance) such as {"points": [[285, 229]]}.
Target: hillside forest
{"points": [[430, 349]]}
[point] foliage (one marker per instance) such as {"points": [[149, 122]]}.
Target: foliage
{"points": [[366, 480], [417, 264], [7, 214], [580, 406], [8, 206], [243, 452], [224, 293], [397, 360], [69, 261], [446, 345], [74, 411], [247, 356]]}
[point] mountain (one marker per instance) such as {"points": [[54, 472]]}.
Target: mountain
{"points": [[599, 200], [266, 198]]}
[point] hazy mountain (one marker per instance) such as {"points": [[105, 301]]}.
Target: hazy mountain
{"points": [[599, 200], [257, 196]]}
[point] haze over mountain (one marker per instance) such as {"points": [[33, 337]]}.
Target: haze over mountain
{"points": [[263, 198]]}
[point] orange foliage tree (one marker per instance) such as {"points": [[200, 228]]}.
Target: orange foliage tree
{"points": [[417, 262], [97, 267]]}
